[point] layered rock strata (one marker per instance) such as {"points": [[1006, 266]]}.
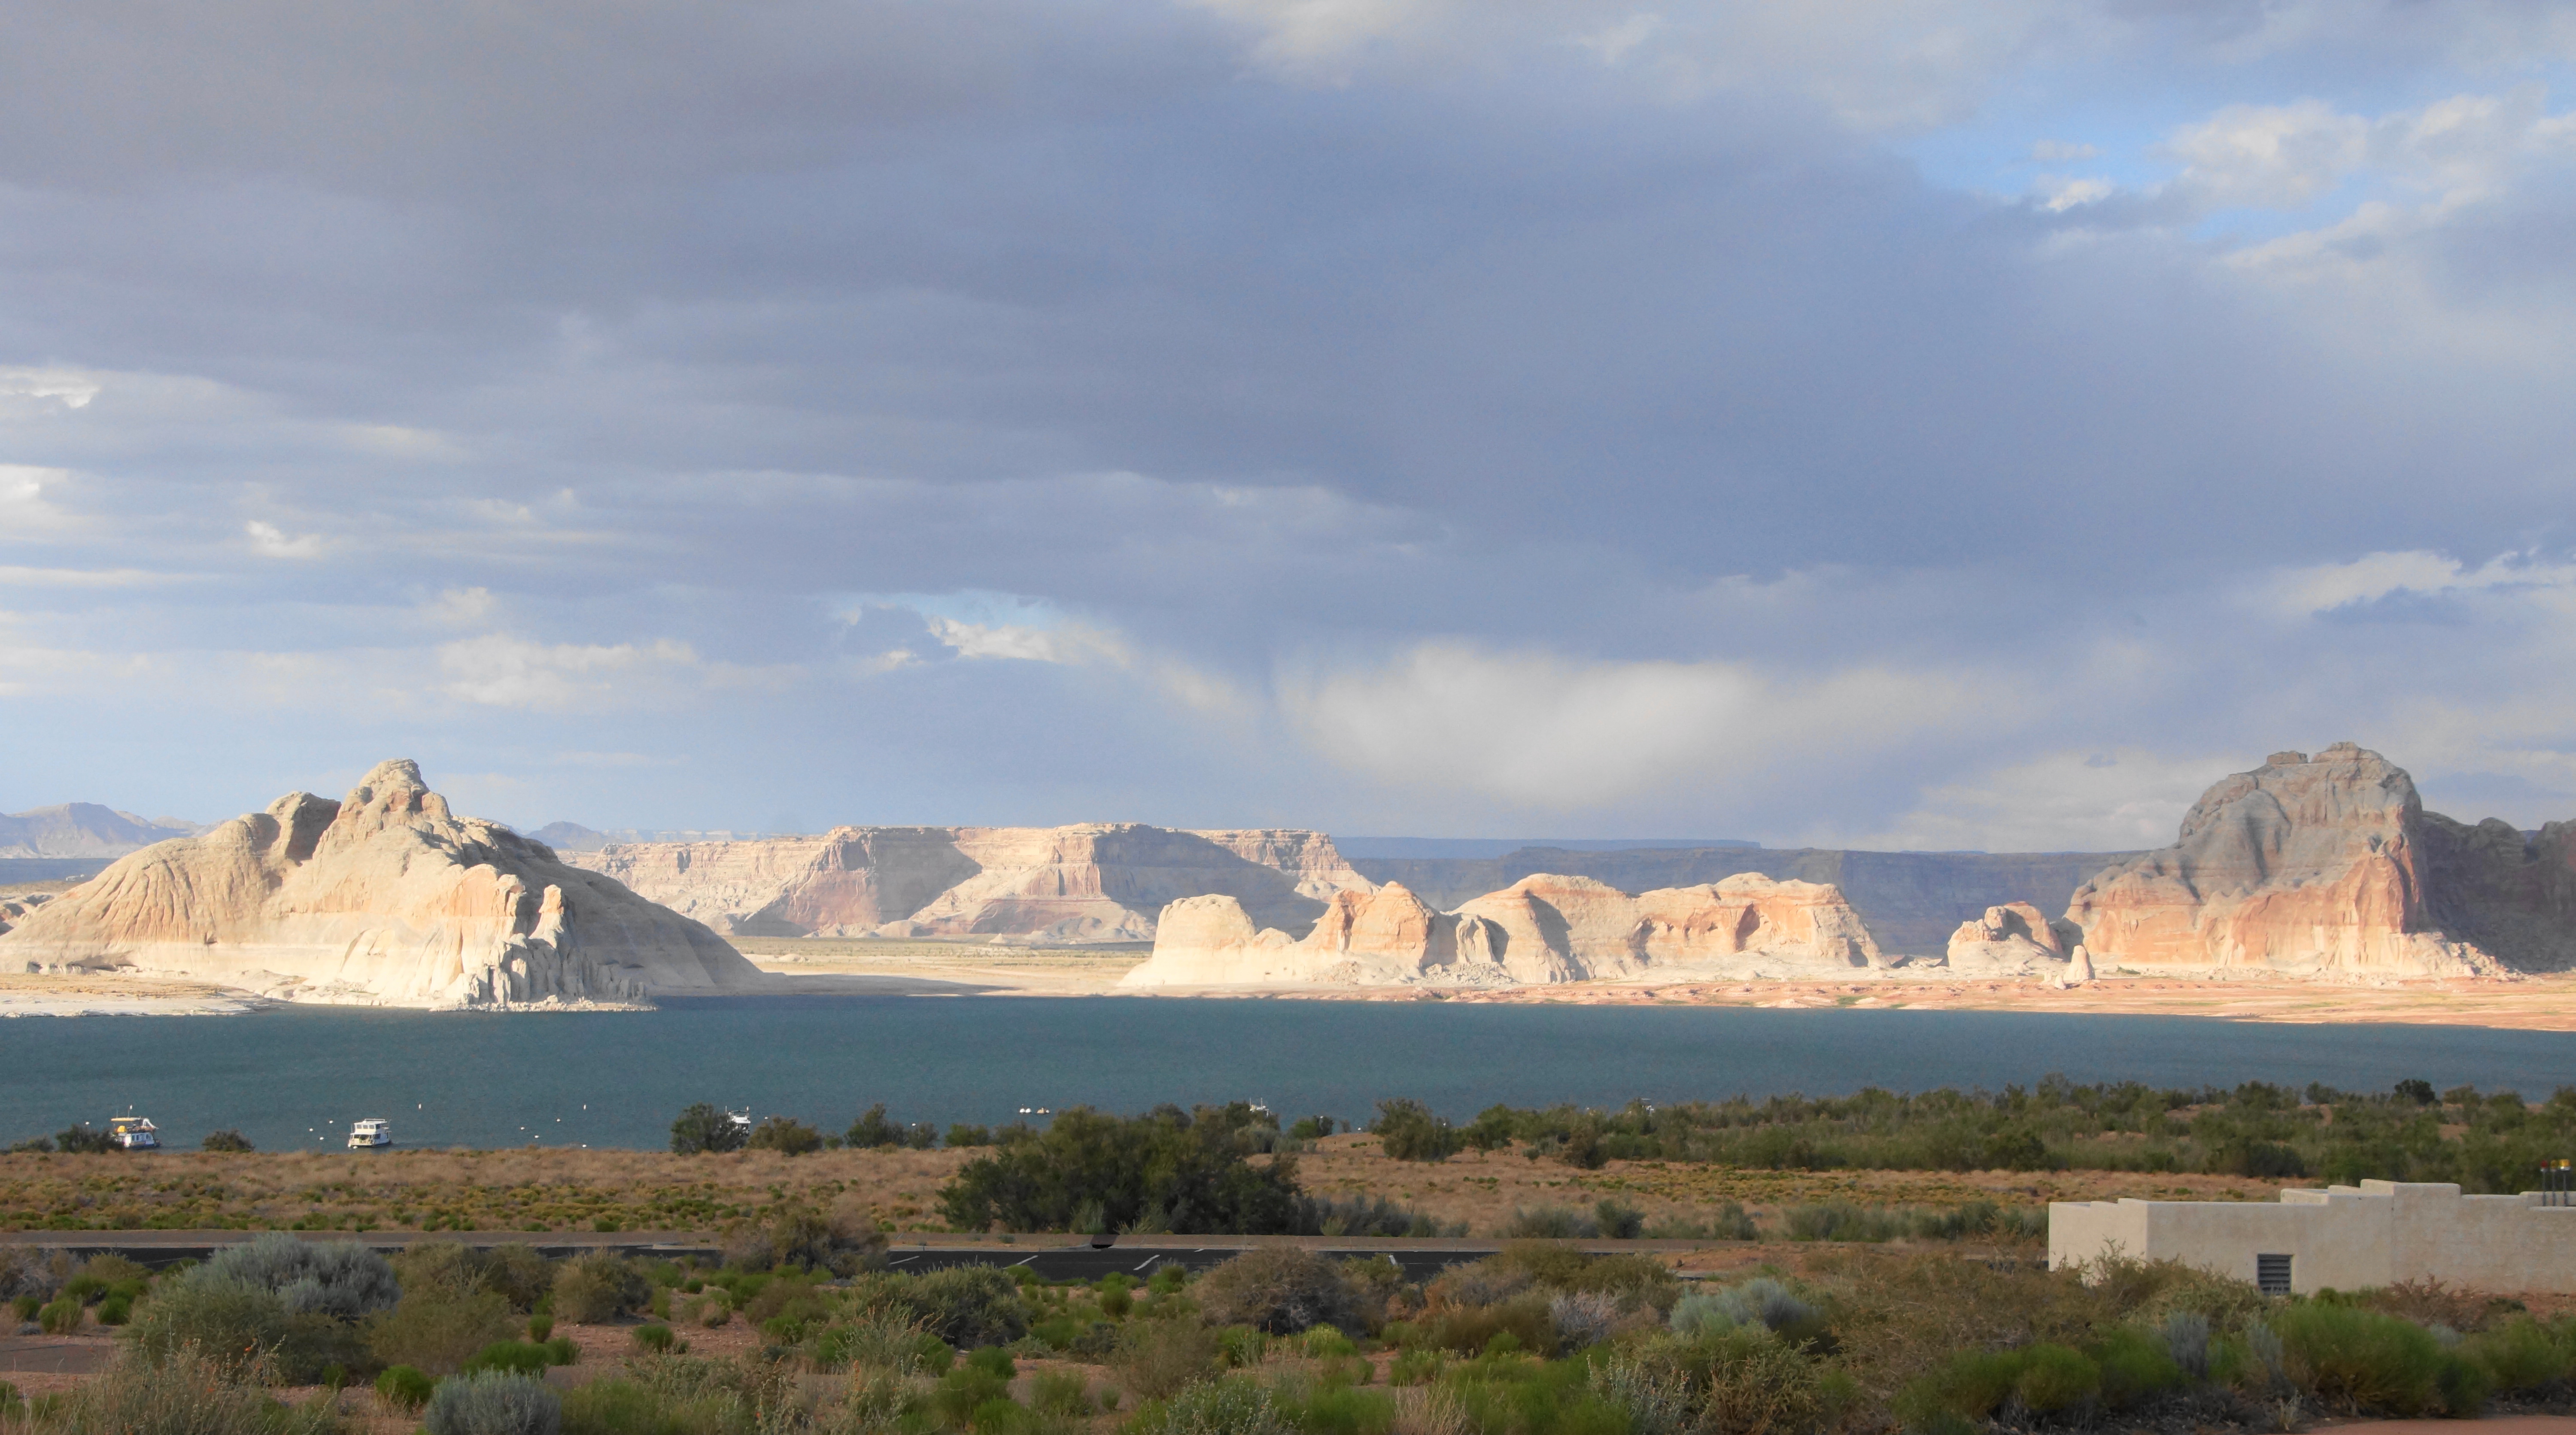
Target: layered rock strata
{"points": [[1097, 882], [2308, 865], [1545, 928], [382, 898], [1911, 901]]}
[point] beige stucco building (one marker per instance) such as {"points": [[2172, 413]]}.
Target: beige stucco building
{"points": [[2343, 1237]]}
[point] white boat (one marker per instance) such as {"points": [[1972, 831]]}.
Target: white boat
{"points": [[133, 1133], [369, 1134], [741, 1121]]}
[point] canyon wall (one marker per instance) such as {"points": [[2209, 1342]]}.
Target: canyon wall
{"points": [[1546, 928], [1911, 901], [382, 898], [1095, 882]]}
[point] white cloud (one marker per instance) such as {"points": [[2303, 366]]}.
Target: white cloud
{"points": [[2268, 156], [2321, 588], [458, 607], [83, 577], [273, 541], [47, 388], [500, 670], [2069, 801], [2061, 195], [1068, 644], [1537, 729]]}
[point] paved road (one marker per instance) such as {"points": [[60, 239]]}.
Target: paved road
{"points": [[1081, 1263]]}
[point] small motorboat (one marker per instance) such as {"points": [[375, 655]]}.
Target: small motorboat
{"points": [[370, 1134], [133, 1133], [741, 1121]]}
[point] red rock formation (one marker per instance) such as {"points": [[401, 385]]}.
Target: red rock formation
{"points": [[2014, 939], [2304, 865], [383, 898]]}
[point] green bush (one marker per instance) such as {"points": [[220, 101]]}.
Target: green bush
{"points": [[1279, 1290], [540, 1326], [62, 1317], [26, 1306], [83, 1140], [2518, 1354], [1156, 1359], [1061, 1392], [786, 1136], [655, 1337], [597, 1287], [225, 1140], [705, 1127], [404, 1387], [2357, 1360], [493, 1402], [873, 1130], [964, 1391], [340, 1279], [968, 1306], [1185, 1173], [1409, 1131], [439, 1329], [520, 1356], [116, 1310], [2054, 1378], [1218, 1407], [963, 1135]]}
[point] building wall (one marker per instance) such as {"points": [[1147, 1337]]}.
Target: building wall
{"points": [[2345, 1237]]}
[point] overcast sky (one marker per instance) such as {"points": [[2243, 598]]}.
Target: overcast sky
{"points": [[1925, 423]]}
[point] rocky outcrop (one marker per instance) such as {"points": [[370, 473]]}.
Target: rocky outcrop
{"points": [[2015, 940], [2314, 866], [2512, 896], [1545, 928], [382, 898], [1911, 901], [1098, 882], [84, 829]]}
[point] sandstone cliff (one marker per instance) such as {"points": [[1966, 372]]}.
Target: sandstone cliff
{"points": [[1911, 901], [2016, 939], [1097, 882], [2306, 865], [382, 898], [1546, 928]]}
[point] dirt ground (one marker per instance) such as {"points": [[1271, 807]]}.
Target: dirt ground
{"points": [[575, 1190]]}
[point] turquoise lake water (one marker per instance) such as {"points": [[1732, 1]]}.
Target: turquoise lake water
{"points": [[297, 1077]]}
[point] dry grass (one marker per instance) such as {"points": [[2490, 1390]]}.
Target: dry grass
{"points": [[590, 1190]]}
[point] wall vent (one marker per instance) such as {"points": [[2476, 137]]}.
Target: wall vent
{"points": [[2272, 1274]]}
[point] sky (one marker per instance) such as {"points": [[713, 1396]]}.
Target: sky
{"points": [[1882, 423]]}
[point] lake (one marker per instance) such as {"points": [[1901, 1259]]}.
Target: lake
{"points": [[298, 1076]]}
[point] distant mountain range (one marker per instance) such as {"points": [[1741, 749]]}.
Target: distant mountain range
{"points": [[85, 829]]}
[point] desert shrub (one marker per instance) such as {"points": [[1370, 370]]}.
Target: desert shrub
{"points": [[1061, 1392], [1156, 1359], [521, 1356], [965, 1391], [540, 1326], [1184, 1172], [340, 1279], [1728, 1223], [185, 1393], [1217, 1407], [1618, 1221], [404, 1388], [596, 1287], [26, 1306], [1768, 1303], [2185, 1334], [1548, 1223], [784, 1135], [438, 1328], [117, 1309], [872, 1130], [1749, 1383], [2518, 1355], [1409, 1131], [843, 1246], [654, 1336], [84, 1140], [493, 1402], [521, 1274], [225, 1140], [2135, 1364], [961, 1134], [705, 1127], [1368, 1216], [2359, 1359], [207, 1316], [25, 1272], [1656, 1402], [1474, 1328], [2054, 1378], [1583, 1318], [1280, 1290], [62, 1317], [968, 1306]]}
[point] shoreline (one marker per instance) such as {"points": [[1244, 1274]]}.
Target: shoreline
{"points": [[2523, 1003]]}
